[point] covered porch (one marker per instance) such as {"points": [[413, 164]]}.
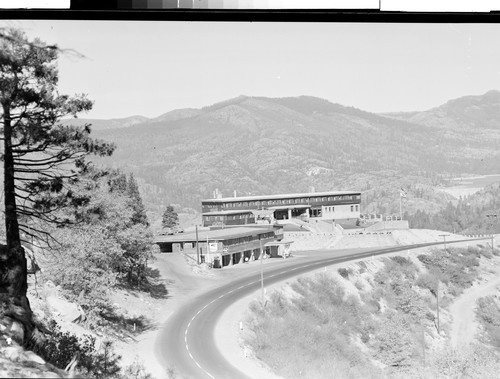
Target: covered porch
{"points": [[279, 248], [287, 212]]}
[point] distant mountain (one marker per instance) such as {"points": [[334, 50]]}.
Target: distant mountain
{"points": [[466, 113], [258, 145], [466, 129], [177, 114], [114, 123]]}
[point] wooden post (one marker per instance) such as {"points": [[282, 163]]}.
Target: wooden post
{"points": [[437, 300], [261, 269], [197, 247]]}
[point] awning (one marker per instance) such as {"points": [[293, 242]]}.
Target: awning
{"points": [[278, 243]]}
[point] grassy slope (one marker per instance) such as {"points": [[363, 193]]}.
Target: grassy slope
{"points": [[368, 320]]}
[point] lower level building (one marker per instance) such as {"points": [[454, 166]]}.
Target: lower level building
{"points": [[223, 247]]}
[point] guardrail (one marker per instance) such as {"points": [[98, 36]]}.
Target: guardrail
{"points": [[479, 235]]}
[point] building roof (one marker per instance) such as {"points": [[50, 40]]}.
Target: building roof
{"points": [[282, 196], [216, 235]]}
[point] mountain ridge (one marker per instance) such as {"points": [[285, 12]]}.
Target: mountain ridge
{"points": [[258, 145]]}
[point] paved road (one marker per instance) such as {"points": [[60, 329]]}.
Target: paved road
{"points": [[187, 343]]}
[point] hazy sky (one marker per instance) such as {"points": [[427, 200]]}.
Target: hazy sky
{"points": [[150, 68]]}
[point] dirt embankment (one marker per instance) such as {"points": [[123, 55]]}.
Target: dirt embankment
{"points": [[465, 328]]}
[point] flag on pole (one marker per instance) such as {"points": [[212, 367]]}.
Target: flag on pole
{"points": [[402, 192]]}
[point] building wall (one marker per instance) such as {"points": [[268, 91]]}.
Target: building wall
{"points": [[334, 212], [243, 219], [212, 206]]}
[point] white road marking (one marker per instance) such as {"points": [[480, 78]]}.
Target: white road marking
{"points": [[220, 297]]}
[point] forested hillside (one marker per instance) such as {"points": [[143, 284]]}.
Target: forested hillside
{"points": [[256, 145], [475, 214]]}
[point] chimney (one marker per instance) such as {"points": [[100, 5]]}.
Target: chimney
{"points": [[234, 193], [311, 189]]}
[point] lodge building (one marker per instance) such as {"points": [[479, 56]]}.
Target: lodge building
{"points": [[332, 205], [241, 229], [223, 247]]}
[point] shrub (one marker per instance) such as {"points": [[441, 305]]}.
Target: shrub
{"points": [[359, 285], [61, 347], [449, 266], [343, 273], [428, 281], [136, 370], [395, 343], [411, 303], [311, 333], [488, 313], [476, 361], [402, 261]]}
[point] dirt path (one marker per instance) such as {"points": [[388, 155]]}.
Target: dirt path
{"points": [[465, 326]]}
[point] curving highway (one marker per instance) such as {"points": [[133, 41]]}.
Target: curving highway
{"points": [[187, 342]]}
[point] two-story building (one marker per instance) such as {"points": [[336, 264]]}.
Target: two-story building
{"points": [[332, 205]]}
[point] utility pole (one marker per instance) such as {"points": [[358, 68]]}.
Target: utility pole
{"points": [[197, 247], [444, 238], [261, 269], [400, 208], [437, 301], [491, 217], [208, 251]]}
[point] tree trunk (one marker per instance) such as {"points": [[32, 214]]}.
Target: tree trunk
{"points": [[14, 305]]}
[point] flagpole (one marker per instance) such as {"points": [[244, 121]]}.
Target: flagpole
{"points": [[400, 207]]}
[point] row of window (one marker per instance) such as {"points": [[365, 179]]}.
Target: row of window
{"points": [[236, 241], [354, 208], [228, 217], [303, 200]]}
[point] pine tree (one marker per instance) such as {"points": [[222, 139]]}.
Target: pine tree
{"points": [[170, 218], [40, 156], [139, 216]]}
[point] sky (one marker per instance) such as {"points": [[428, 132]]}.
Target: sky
{"points": [[149, 68]]}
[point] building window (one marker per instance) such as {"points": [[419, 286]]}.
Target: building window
{"points": [[357, 208], [352, 208]]}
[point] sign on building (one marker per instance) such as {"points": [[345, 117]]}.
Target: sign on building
{"points": [[212, 247]]}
